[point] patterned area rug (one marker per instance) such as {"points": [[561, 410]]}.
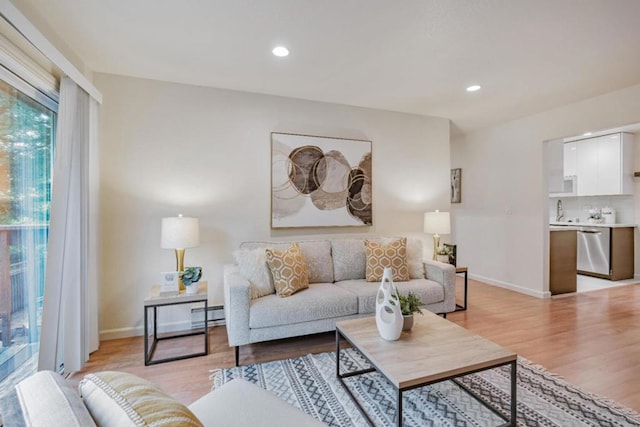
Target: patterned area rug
{"points": [[310, 383]]}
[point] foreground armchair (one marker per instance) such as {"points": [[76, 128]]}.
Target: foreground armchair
{"points": [[119, 399]]}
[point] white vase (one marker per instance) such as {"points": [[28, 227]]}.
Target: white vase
{"points": [[192, 289], [388, 316]]}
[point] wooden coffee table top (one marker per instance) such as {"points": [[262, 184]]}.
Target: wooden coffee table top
{"points": [[435, 349]]}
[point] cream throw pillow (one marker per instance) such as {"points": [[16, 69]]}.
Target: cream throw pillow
{"points": [[252, 264], [382, 255], [288, 269], [120, 399]]}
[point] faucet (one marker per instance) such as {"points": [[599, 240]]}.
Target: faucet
{"points": [[559, 211]]}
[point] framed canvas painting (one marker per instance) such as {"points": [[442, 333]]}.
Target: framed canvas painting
{"points": [[319, 181]]}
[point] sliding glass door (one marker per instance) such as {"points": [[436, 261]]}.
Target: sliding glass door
{"points": [[27, 132]]}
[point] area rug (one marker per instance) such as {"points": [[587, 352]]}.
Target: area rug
{"points": [[310, 384]]}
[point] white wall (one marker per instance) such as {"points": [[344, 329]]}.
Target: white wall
{"points": [[501, 225], [170, 148]]}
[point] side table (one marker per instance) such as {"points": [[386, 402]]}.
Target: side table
{"points": [[464, 270], [153, 302]]}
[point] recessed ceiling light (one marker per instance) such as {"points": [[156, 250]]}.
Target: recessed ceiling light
{"points": [[280, 51], [473, 88], [587, 134]]}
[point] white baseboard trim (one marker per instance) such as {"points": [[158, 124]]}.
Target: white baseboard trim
{"points": [[510, 286], [138, 331], [113, 334]]}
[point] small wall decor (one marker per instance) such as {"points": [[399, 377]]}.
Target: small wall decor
{"points": [[319, 181], [456, 185]]}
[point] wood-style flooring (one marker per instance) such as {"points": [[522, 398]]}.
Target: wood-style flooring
{"points": [[591, 339]]}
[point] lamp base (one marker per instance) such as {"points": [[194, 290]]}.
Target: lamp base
{"points": [[180, 268], [436, 246]]}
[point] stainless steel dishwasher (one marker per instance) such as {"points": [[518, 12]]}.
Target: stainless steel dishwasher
{"points": [[594, 255]]}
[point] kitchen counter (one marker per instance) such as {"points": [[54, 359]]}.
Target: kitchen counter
{"points": [[564, 225]]}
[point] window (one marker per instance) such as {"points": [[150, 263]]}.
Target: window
{"points": [[27, 132]]}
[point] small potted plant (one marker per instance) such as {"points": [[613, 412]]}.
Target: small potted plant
{"points": [[443, 254], [189, 277], [409, 304]]}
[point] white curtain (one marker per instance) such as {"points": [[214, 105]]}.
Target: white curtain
{"points": [[69, 318]]}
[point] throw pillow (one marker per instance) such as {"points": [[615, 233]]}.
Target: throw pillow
{"points": [[415, 260], [349, 259], [382, 255], [122, 399], [288, 269], [252, 264], [316, 253]]}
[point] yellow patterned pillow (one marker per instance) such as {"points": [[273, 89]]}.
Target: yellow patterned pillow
{"points": [[288, 269], [382, 255], [122, 399]]}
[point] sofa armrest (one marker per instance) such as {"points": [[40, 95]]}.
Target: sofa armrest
{"points": [[44, 399], [445, 274], [236, 305]]}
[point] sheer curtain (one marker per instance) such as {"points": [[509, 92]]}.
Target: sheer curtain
{"points": [[69, 318]]}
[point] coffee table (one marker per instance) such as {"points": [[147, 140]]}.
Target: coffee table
{"points": [[434, 350]]}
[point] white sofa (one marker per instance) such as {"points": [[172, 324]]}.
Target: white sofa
{"points": [[337, 291], [47, 400]]}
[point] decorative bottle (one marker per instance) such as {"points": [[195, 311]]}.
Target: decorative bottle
{"points": [[389, 318]]}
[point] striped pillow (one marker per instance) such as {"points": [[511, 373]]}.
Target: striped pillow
{"points": [[122, 399]]}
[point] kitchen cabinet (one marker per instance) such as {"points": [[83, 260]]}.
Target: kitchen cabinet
{"points": [[587, 167], [562, 261], [553, 152], [570, 158], [622, 258], [603, 165]]}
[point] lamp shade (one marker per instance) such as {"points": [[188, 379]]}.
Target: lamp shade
{"points": [[437, 223], [180, 232]]}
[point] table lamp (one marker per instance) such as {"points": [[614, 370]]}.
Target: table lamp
{"points": [[437, 223], [179, 233]]}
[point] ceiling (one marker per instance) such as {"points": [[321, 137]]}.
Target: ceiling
{"points": [[413, 56]]}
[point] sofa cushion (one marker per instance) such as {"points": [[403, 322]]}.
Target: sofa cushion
{"points": [[319, 301], [288, 269], [381, 255], [316, 253], [349, 259], [123, 399], [415, 258], [252, 264], [44, 399], [241, 403], [428, 291]]}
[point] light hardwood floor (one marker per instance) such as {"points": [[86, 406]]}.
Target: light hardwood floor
{"points": [[591, 339]]}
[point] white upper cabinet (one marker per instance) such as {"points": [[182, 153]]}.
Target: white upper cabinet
{"points": [[587, 167], [570, 159], [553, 151], [603, 165], [609, 164]]}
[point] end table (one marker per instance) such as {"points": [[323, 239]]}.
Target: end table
{"points": [[153, 302], [464, 270]]}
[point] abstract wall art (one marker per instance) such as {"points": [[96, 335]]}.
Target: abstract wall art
{"points": [[456, 185], [319, 181]]}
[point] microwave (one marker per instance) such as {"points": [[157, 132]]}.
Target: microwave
{"points": [[569, 187]]}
